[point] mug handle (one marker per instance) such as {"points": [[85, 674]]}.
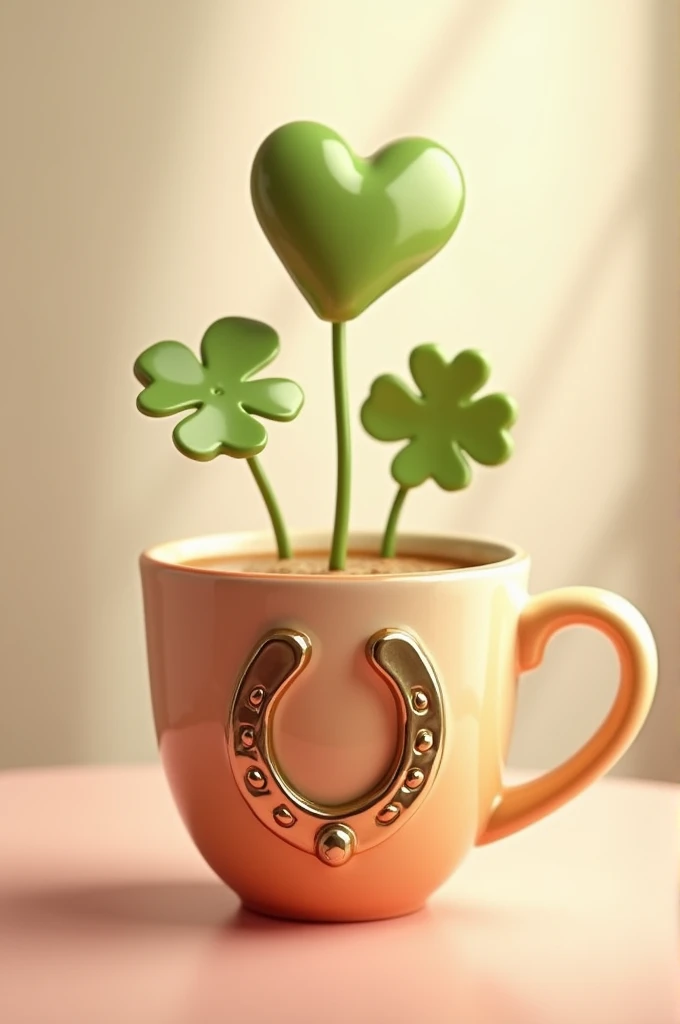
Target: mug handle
{"points": [[542, 616]]}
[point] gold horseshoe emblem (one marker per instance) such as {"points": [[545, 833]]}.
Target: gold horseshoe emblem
{"points": [[335, 833]]}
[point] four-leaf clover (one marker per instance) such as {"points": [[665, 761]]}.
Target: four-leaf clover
{"points": [[442, 422], [219, 387]]}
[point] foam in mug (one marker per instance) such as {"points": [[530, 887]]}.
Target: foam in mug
{"points": [[334, 710]]}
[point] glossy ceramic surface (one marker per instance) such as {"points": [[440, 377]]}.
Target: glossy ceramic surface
{"points": [[335, 732], [335, 833], [346, 228]]}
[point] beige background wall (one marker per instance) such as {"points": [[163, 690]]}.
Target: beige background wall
{"points": [[128, 129]]}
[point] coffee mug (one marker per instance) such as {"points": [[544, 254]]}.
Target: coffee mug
{"points": [[336, 744]]}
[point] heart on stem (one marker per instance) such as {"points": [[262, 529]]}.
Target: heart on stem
{"points": [[346, 228]]}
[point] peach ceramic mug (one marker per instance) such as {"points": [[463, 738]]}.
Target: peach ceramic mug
{"points": [[335, 745]]}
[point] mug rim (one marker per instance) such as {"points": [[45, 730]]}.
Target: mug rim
{"points": [[178, 555]]}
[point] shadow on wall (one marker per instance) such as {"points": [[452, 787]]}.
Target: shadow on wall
{"points": [[659, 481], [653, 496], [451, 48]]}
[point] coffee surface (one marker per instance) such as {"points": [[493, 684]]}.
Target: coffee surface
{"points": [[313, 564]]}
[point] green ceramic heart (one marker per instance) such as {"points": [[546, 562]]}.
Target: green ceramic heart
{"points": [[347, 229]]}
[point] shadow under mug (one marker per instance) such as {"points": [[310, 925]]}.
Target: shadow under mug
{"points": [[335, 744]]}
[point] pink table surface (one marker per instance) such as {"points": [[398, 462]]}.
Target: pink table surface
{"points": [[107, 914]]}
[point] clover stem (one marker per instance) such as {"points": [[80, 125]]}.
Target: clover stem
{"points": [[342, 499], [390, 535], [280, 532]]}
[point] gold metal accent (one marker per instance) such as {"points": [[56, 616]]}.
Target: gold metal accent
{"points": [[256, 779], [414, 778], [335, 844], [388, 814], [256, 697], [247, 736], [424, 741], [283, 817], [419, 701], [335, 833]]}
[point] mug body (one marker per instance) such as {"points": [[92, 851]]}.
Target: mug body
{"points": [[338, 731]]}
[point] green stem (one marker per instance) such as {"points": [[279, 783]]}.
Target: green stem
{"points": [[390, 535], [280, 532], [342, 500]]}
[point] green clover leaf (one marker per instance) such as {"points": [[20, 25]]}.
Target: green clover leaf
{"points": [[219, 388], [443, 422]]}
